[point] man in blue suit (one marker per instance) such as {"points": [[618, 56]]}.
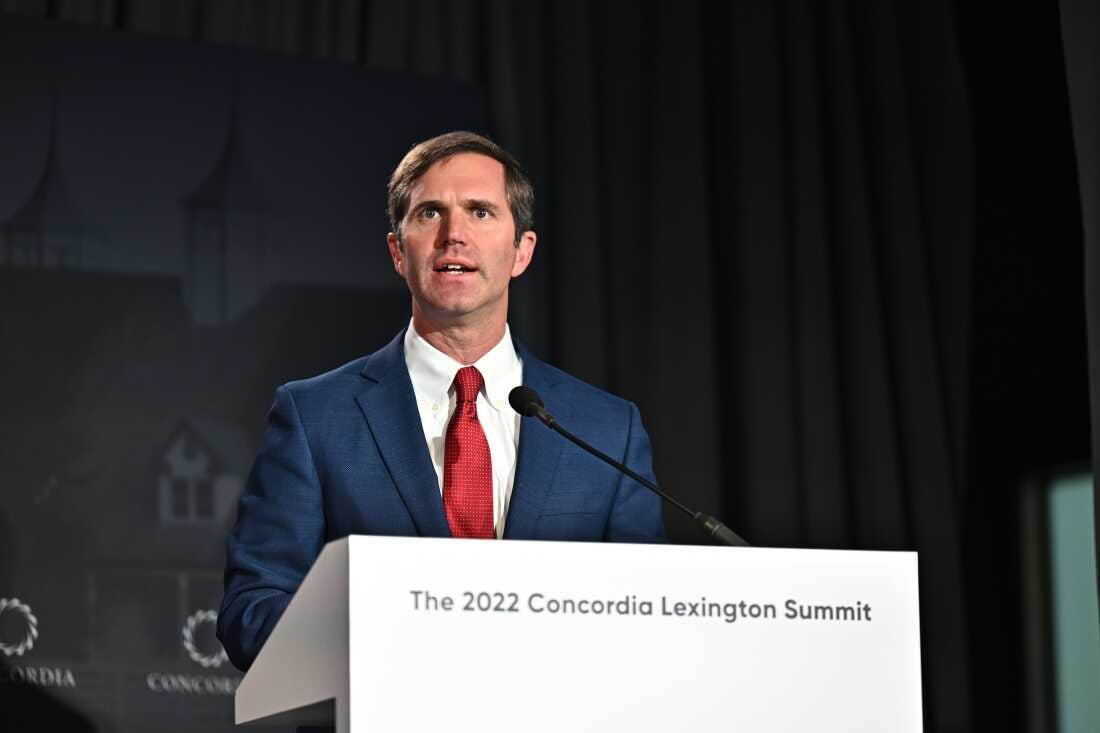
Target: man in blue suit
{"points": [[417, 439]]}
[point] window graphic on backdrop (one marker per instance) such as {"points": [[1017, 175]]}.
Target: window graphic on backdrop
{"points": [[184, 229], [193, 485]]}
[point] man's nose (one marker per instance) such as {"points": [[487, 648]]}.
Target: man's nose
{"points": [[454, 228]]}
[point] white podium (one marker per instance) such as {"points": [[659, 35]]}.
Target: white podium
{"points": [[415, 634]]}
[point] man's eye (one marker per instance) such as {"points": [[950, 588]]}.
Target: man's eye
{"points": [[481, 213], [429, 213]]}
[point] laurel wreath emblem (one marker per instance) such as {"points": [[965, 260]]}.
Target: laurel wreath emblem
{"points": [[192, 623], [24, 646]]}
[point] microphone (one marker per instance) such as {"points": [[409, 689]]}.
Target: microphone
{"points": [[527, 402]]}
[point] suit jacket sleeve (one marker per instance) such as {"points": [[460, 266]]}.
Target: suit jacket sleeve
{"points": [[279, 532], [636, 511]]}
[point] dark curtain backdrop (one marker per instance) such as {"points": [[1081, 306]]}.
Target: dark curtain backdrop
{"points": [[756, 220]]}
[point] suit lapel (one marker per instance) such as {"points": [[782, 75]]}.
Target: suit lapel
{"points": [[389, 406], [539, 450]]}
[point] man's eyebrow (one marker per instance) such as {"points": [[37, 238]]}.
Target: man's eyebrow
{"points": [[430, 204], [480, 204]]}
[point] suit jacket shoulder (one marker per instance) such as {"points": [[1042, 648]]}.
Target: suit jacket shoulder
{"points": [[321, 390], [585, 401]]}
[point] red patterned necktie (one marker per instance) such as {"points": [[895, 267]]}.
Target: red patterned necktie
{"points": [[467, 466]]}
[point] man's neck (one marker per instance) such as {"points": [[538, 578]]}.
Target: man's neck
{"points": [[463, 343]]}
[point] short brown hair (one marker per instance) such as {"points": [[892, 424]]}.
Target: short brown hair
{"points": [[423, 155]]}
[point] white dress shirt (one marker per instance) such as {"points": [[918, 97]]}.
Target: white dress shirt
{"points": [[433, 373]]}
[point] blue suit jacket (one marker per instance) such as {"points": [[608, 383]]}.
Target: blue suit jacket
{"points": [[344, 454]]}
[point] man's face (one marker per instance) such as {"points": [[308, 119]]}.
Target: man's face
{"points": [[458, 250]]}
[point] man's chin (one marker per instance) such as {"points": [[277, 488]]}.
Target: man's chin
{"points": [[460, 313]]}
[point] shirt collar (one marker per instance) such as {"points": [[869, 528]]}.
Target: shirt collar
{"points": [[432, 372]]}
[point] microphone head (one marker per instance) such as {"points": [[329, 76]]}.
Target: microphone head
{"points": [[525, 401]]}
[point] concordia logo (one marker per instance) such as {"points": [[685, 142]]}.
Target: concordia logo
{"points": [[202, 646], [206, 657], [24, 639], [18, 616]]}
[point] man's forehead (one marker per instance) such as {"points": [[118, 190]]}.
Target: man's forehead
{"points": [[473, 172]]}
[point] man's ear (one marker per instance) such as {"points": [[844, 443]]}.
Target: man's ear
{"points": [[395, 253], [525, 250]]}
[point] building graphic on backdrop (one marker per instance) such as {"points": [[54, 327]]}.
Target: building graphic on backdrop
{"points": [[218, 232], [46, 232], [193, 485], [226, 243]]}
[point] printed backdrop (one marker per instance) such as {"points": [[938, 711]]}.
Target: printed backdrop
{"points": [[181, 230]]}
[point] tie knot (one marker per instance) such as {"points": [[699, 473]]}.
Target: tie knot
{"points": [[468, 382]]}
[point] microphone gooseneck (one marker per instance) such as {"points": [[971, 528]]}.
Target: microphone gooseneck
{"points": [[527, 402]]}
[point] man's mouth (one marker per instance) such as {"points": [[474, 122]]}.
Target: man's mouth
{"points": [[454, 268]]}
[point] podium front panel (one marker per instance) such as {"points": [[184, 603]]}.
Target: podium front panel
{"points": [[483, 635]]}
